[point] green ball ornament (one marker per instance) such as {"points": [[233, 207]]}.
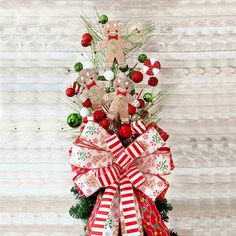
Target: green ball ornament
{"points": [[101, 78], [148, 97], [142, 58], [103, 19], [74, 120], [78, 66]]}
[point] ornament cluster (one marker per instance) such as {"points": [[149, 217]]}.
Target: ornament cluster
{"points": [[120, 146], [111, 95]]}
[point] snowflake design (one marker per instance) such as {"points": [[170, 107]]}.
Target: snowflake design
{"points": [[116, 215], [97, 131], [90, 130], [81, 156], [145, 136], [156, 193], [108, 224], [156, 139], [163, 166], [80, 185], [89, 164], [95, 140], [89, 191]]}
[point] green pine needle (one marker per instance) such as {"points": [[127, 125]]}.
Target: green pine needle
{"points": [[172, 233]]}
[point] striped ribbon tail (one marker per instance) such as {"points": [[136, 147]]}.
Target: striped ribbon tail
{"points": [[128, 208], [114, 145], [103, 211]]}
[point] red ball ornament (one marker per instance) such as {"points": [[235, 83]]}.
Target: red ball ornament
{"points": [[105, 123], [153, 81], [137, 76], [131, 109], [87, 37], [86, 40], [87, 103], [85, 43], [125, 131], [70, 92], [99, 115], [141, 103]]}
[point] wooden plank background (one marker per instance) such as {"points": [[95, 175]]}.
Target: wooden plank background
{"points": [[196, 43]]}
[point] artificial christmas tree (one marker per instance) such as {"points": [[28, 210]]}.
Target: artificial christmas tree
{"points": [[120, 157]]}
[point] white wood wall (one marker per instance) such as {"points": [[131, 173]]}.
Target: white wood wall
{"points": [[196, 43]]}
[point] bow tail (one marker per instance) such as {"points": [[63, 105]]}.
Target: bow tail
{"points": [[101, 218], [151, 219], [130, 224]]}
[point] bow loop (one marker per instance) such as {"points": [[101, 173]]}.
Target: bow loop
{"points": [[115, 145], [122, 171], [138, 127], [135, 176], [107, 175]]}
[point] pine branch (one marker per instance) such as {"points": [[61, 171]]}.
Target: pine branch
{"points": [[172, 233], [163, 207], [84, 206]]}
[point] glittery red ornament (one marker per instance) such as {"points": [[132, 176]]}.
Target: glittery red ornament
{"points": [[86, 40], [141, 103], [137, 76], [99, 115], [87, 37], [125, 131], [105, 123], [87, 103], [153, 81], [70, 92], [85, 43], [131, 109]]}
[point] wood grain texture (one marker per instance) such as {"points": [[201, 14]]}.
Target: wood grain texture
{"points": [[195, 41]]}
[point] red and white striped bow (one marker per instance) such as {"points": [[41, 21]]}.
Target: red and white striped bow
{"points": [[126, 177]]}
